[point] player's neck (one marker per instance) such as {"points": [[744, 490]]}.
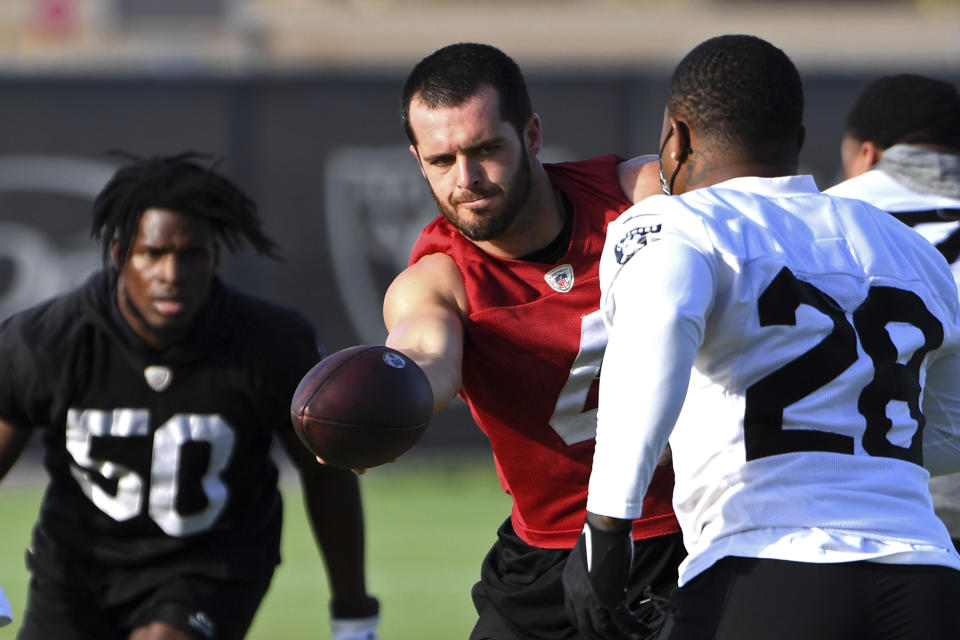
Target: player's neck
{"points": [[539, 222], [710, 171]]}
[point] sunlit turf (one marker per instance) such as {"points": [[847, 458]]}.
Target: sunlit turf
{"points": [[430, 520]]}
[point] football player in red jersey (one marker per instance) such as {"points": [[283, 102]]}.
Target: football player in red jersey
{"points": [[499, 305], [158, 390]]}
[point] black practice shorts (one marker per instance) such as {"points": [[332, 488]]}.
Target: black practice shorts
{"points": [[751, 599], [200, 606], [520, 593]]}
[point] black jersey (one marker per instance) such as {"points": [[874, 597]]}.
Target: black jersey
{"points": [[154, 456]]}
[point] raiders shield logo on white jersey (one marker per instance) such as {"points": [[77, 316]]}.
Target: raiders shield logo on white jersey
{"points": [[634, 240]]}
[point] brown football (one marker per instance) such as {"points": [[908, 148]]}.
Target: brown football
{"points": [[362, 406]]}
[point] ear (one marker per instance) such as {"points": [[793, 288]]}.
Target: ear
{"points": [[677, 146], [416, 155], [533, 135], [870, 153], [857, 157]]}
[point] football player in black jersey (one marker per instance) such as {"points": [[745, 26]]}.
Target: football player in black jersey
{"points": [[158, 389]]}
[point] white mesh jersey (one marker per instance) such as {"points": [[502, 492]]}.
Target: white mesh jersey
{"points": [[924, 212], [817, 344], [884, 192]]}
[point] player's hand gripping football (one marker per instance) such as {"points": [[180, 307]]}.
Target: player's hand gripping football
{"points": [[356, 470], [361, 407], [594, 586]]}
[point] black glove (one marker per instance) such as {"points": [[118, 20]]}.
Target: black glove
{"points": [[595, 589]]}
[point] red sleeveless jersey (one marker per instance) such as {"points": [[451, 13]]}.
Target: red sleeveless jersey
{"points": [[533, 346]]}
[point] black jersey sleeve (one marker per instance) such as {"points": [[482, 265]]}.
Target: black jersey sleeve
{"points": [[22, 391], [298, 353], [283, 347]]}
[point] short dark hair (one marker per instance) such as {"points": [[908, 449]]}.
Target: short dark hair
{"points": [[740, 90], [180, 184], [450, 76], [906, 108]]}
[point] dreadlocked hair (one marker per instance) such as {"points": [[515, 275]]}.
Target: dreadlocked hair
{"points": [[740, 90], [178, 183]]}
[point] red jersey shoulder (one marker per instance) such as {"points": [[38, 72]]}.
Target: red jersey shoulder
{"points": [[437, 237], [595, 180]]}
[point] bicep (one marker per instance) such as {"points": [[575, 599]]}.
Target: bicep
{"points": [[423, 311]]}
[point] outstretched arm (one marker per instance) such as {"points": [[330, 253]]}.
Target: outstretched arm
{"points": [[423, 311], [332, 500]]}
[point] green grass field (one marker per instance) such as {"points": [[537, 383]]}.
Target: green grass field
{"points": [[429, 523]]}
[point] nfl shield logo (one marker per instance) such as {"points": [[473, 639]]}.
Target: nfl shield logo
{"points": [[158, 377], [560, 278]]}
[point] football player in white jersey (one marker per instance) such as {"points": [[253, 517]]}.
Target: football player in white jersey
{"points": [[800, 353], [901, 153]]}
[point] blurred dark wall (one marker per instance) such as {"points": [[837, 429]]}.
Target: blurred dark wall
{"points": [[323, 155]]}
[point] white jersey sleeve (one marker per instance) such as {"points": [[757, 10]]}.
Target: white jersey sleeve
{"points": [[655, 328]]}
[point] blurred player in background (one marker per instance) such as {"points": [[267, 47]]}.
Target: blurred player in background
{"points": [[901, 153], [158, 389], [817, 344], [500, 304]]}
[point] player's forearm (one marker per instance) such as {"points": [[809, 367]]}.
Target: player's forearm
{"points": [[435, 343], [606, 523], [444, 376], [336, 517], [655, 329]]}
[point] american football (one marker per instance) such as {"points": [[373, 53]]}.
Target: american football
{"points": [[362, 406]]}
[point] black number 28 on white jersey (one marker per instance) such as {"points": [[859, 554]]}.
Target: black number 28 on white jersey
{"points": [[160, 490], [893, 380]]}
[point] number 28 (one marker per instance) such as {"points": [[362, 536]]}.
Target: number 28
{"points": [[893, 381]]}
